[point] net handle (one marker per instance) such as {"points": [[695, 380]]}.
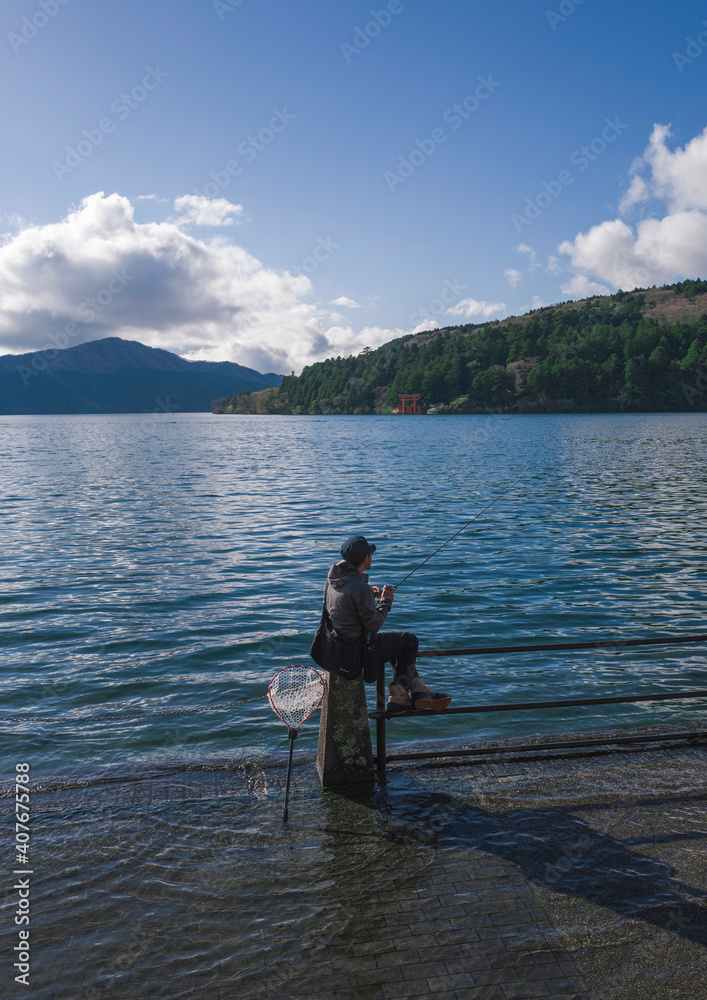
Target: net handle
{"points": [[310, 671]]}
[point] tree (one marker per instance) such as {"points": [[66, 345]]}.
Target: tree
{"points": [[494, 387]]}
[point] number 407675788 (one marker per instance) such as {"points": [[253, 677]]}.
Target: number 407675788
{"points": [[22, 813]]}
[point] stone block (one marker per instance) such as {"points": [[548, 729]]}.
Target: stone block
{"points": [[345, 754]]}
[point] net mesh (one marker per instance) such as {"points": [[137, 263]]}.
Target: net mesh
{"points": [[295, 693]]}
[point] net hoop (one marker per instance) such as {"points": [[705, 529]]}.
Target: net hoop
{"points": [[295, 693]]}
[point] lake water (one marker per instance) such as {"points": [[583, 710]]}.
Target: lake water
{"points": [[156, 563]]}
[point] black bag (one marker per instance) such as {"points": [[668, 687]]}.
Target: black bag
{"points": [[334, 653], [370, 656]]}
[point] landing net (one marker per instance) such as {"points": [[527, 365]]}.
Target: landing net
{"points": [[295, 693]]}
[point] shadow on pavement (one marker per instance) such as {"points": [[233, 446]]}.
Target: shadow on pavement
{"points": [[551, 848]]}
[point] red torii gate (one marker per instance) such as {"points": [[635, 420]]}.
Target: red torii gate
{"points": [[409, 404]]}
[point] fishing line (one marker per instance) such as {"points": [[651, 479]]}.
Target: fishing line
{"points": [[456, 533]]}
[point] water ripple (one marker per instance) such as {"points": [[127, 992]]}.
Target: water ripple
{"points": [[157, 564]]}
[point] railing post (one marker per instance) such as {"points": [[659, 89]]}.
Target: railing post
{"points": [[380, 724]]}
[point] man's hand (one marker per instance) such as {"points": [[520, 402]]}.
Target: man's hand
{"points": [[388, 593], [376, 592]]}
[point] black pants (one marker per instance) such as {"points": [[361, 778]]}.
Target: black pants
{"points": [[400, 649]]}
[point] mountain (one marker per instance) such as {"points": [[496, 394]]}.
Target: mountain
{"points": [[118, 376], [628, 352]]}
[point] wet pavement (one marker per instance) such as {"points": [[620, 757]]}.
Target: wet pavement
{"points": [[567, 876]]}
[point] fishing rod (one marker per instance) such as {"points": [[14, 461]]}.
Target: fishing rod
{"points": [[456, 533]]}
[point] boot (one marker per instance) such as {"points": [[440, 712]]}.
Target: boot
{"points": [[399, 700], [423, 697]]}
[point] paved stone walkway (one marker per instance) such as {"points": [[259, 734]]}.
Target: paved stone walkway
{"points": [[576, 876], [602, 866], [566, 877]]}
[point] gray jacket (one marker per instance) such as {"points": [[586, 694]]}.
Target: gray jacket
{"points": [[350, 602]]}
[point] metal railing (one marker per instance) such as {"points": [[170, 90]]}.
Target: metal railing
{"points": [[381, 715]]}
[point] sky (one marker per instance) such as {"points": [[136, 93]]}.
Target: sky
{"points": [[274, 182]]}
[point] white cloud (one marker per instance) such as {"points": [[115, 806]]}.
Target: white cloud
{"points": [[200, 211], [347, 303], [471, 307], [531, 254], [537, 303], [580, 287], [98, 273], [16, 222], [679, 176], [637, 191], [343, 341], [655, 250], [513, 276]]}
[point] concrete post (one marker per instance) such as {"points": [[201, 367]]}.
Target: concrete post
{"points": [[345, 754]]}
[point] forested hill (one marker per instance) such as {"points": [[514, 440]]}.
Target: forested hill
{"points": [[113, 375], [632, 351]]}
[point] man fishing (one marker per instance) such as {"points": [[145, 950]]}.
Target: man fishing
{"points": [[356, 609]]}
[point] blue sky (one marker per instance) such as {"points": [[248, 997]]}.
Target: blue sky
{"points": [[360, 203]]}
